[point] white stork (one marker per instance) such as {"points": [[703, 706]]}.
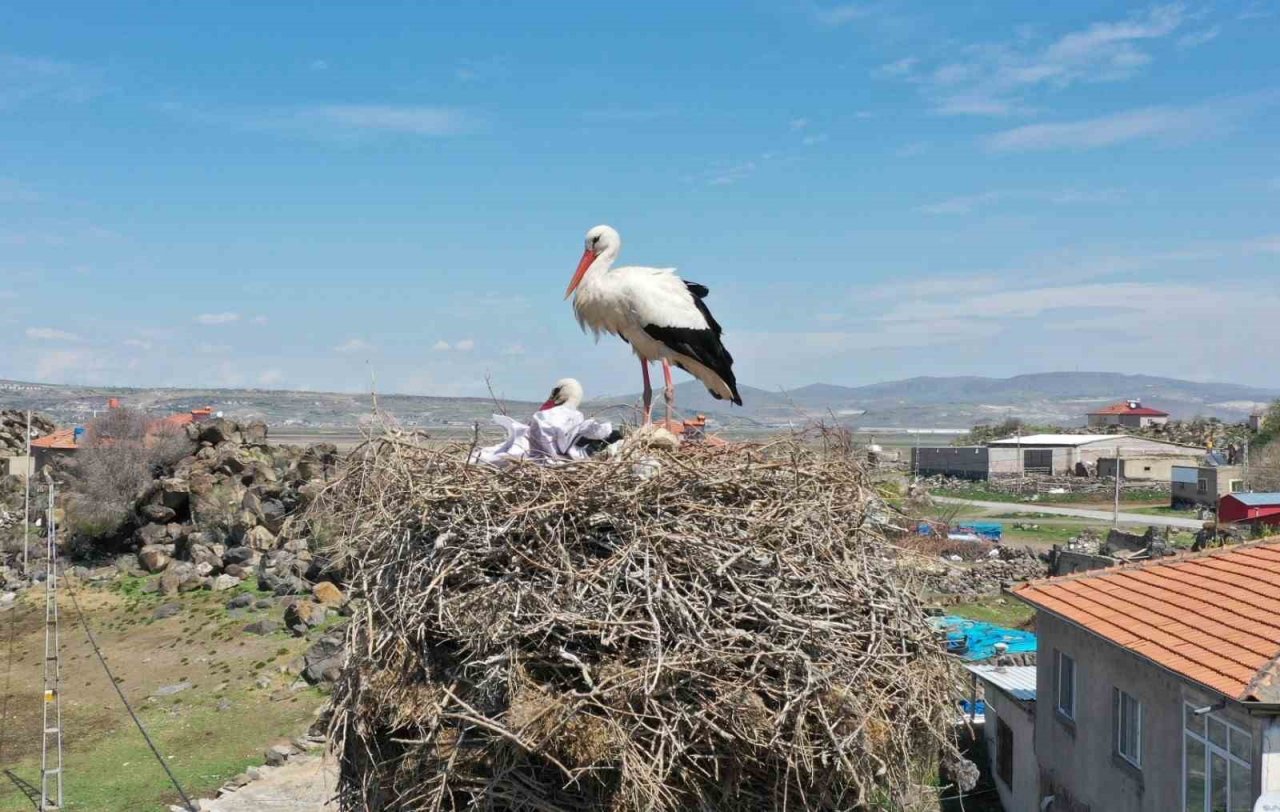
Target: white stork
{"points": [[659, 314]]}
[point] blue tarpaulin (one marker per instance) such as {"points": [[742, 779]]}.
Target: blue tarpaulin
{"points": [[987, 531], [976, 639]]}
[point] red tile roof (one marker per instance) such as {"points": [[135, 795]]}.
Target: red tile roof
{"points": [[1123, 407], [1213, 618], [60, 439]]}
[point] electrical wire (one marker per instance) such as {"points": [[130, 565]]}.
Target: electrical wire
{"points": [[84, 623]]}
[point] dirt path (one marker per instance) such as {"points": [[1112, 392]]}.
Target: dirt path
{"points": [[1080, 513], [303, 784]]}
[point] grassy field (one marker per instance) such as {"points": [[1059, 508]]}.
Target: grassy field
{"points": [[981, 492], [208, 732], [1000, 610]]}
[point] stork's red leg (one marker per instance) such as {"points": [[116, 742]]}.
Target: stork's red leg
{"points": [[648, 392], [669, 391]]}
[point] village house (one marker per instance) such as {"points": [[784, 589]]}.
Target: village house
{"points": [[65, 442], [1250, 508], [1203, 485], [1008, 727], [1158, 686], [1058, 454], [1128, 413]]}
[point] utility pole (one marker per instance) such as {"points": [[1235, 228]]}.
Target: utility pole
{"points": [[26, 506], [51, 738], [1022, 468], [1247, 489], [1116, 521]]}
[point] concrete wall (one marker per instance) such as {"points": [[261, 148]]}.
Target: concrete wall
{"points": [[1157, 469], [966, 462], [1218, 482], [20, 466], [1024, 795], [1077, 760]]}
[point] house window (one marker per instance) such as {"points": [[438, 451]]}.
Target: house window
{"points": [[1237, 485], [1202, 486], [1004, 752], [1066, 676], [1128, 728], [1217, 770]]}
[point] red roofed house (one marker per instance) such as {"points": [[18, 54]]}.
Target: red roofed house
{"points": [[1158, 684], [65, 442], [1129, 413], [1261, 508]]}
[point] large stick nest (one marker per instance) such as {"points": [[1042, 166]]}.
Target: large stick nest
{"points": [[712, 634]]}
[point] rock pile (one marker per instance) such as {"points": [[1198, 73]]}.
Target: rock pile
{"points": [[218, 518], [972, 580], [13, 427]]}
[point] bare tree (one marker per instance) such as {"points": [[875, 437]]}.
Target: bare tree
{"points": [[1264, 469], [122, 452]]}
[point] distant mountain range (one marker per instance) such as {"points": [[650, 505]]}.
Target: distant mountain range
{"points": [[1061, 398]]}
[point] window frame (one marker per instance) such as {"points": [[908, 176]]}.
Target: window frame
{"points": [[1135, 757], [1004, 752], [1211, 749], [1066, 713]]}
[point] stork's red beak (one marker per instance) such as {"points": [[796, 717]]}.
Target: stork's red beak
{"points": [[588, 257], [550, 404]]}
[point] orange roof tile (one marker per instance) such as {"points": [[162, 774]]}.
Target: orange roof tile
{"points": [[60, 439], [1213, 617]]}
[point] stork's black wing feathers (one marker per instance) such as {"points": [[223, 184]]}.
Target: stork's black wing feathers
{"points": [[700, 292], [703, 346]]}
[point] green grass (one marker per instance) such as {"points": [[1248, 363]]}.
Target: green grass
{"points": [[1002, 611], [1047, 533], [1163, 510], [108, 767], [983, 493], [204, 747]]}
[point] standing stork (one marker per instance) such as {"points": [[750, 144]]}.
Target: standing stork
{"points": [[661, 316]]}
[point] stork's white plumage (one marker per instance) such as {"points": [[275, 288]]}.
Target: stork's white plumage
{"points": [[659, 314]]}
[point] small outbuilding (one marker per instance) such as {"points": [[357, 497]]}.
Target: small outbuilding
{"points": [[1261, 508], [1128, 413]]}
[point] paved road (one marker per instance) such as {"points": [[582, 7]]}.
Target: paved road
{"points": [[1079, 513]]}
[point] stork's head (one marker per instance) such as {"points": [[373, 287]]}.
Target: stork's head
{"points": [[601, 241], [566, 392]]}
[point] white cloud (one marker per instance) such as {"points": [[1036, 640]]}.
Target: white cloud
{"points": [[816, 138], [353, 345], [1117, 128], [50, 334], [996, 79], [1197, 38], [25, 78], [138, 343], [270, 377], [838, 15], [898, 68], [217, 318], [318, 64], [209, 348], [441, 346], [967, 204], [465, 345], [730, 174], [799, 123], [260, 320], [514, 349], [461, 345], [338, 122], [54, 365]]}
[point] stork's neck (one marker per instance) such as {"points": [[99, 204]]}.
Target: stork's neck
{"points": [[603, 262]]}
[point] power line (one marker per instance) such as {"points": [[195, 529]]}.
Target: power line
{"points": [[84, 623]]}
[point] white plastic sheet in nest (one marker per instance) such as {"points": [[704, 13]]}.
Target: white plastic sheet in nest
{"points": [[551, 436]]}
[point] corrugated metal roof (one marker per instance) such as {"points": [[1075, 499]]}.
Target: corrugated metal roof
{"points": [[1057, 439], [1018, 681], [1255, 499], [1213, 618]]}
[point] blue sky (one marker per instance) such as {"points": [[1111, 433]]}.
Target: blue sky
{"points": [[288, 195]]}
